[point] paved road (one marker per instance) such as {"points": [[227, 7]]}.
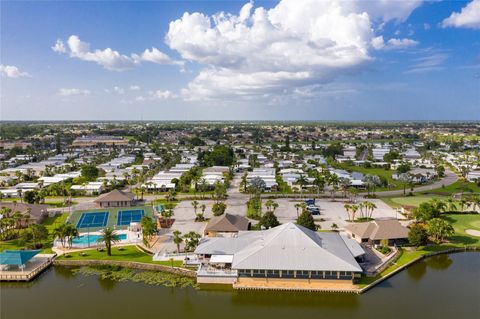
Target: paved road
{"points": [[449, 178]]}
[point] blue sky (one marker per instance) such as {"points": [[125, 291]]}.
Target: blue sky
{"points": [[273, 60]]}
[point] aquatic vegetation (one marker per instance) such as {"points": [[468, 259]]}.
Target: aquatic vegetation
{"points": [[148, 277]]}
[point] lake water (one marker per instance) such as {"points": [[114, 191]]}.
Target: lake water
{"points": [[445, 286]]}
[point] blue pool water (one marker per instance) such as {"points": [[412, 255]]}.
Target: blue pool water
{"points": [[92, 239]]}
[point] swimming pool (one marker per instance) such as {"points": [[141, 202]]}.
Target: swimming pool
{"points": [[84, 240]]}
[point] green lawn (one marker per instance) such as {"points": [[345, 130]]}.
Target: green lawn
{"points": [[409, 200], [125, 253], [460, 223], [455, 188]]}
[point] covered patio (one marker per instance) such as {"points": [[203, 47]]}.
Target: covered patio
{"points": [[22, 265]]}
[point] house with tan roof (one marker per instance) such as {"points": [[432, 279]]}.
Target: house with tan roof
{"points": [[378, 230], [116, 198], [226, 225]]}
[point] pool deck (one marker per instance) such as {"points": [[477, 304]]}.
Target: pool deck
{"points": [[32, 269]]}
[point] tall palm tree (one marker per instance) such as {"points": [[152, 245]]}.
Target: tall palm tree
{"points": [[195, 206], [297, 207], [108, 236], [354, 209], [348, 208], [451, 205], [71, 232], [177, 239]]}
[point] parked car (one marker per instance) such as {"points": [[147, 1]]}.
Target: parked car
{"points": [[314, 210], [310, 202]]}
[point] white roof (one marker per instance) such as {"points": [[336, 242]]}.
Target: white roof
{"points": [[221, 259], [286, 247]]}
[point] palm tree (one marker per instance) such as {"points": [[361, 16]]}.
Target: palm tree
{"points": [[269, 204], [463, 203], [108, 236], [71, 232], [451, 205], [59, 232], [333, 183], [302, 181], [177, 239], [191, 240], [274, 206], [370, 207], [354, 209], [195, 206], [348, 208], [297, 207]]}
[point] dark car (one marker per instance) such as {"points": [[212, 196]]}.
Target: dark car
{"points": [[310, 202]]}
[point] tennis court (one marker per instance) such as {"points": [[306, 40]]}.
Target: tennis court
{"points": [[125, 217], [95, 219]]}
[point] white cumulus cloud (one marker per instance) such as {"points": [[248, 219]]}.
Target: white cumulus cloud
{"points": [[268, 50], [468, 17], [262, 51], [109, 58], [73, 92], [11, 71]]}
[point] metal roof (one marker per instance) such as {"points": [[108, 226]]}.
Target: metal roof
{"points": [[286, 247], [17, 257]]}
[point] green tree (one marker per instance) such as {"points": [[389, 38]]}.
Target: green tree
{"points": [[428, 210], [34, 235], [177, 239], [439, 229], [90, 172], [149, 229], [269, 220], [417, 236], [306, 220], [219, 208], [108, 236], [192, 239]]}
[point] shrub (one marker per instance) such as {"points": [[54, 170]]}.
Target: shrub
{"points": [[219, 208], [417, 236], [306, 220]]}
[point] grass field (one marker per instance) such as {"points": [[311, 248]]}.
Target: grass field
{"points": [[112, 216], [460, 223], [457, 187], [395, 202], [125, 253]]}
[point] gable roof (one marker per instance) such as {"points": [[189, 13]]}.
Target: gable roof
{"points": [[35, 211], [227, 223], [379, 229], [115, 196]]}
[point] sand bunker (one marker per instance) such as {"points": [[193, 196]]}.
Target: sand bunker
{"points": [[473, 232]]}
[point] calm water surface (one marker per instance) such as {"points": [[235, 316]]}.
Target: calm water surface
{"points": [[446, 286]]}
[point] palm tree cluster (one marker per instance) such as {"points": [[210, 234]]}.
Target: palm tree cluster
{"points": [[191, 240], [65, 233], [10, 223], [365, 208]]}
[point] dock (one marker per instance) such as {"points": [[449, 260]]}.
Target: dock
{"points": [[32, 269]]}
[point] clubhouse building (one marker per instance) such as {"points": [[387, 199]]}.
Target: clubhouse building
{"points": [[115, 198], [288, 256]]}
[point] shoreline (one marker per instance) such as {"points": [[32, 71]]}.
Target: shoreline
{"points": [[192, 274]]}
